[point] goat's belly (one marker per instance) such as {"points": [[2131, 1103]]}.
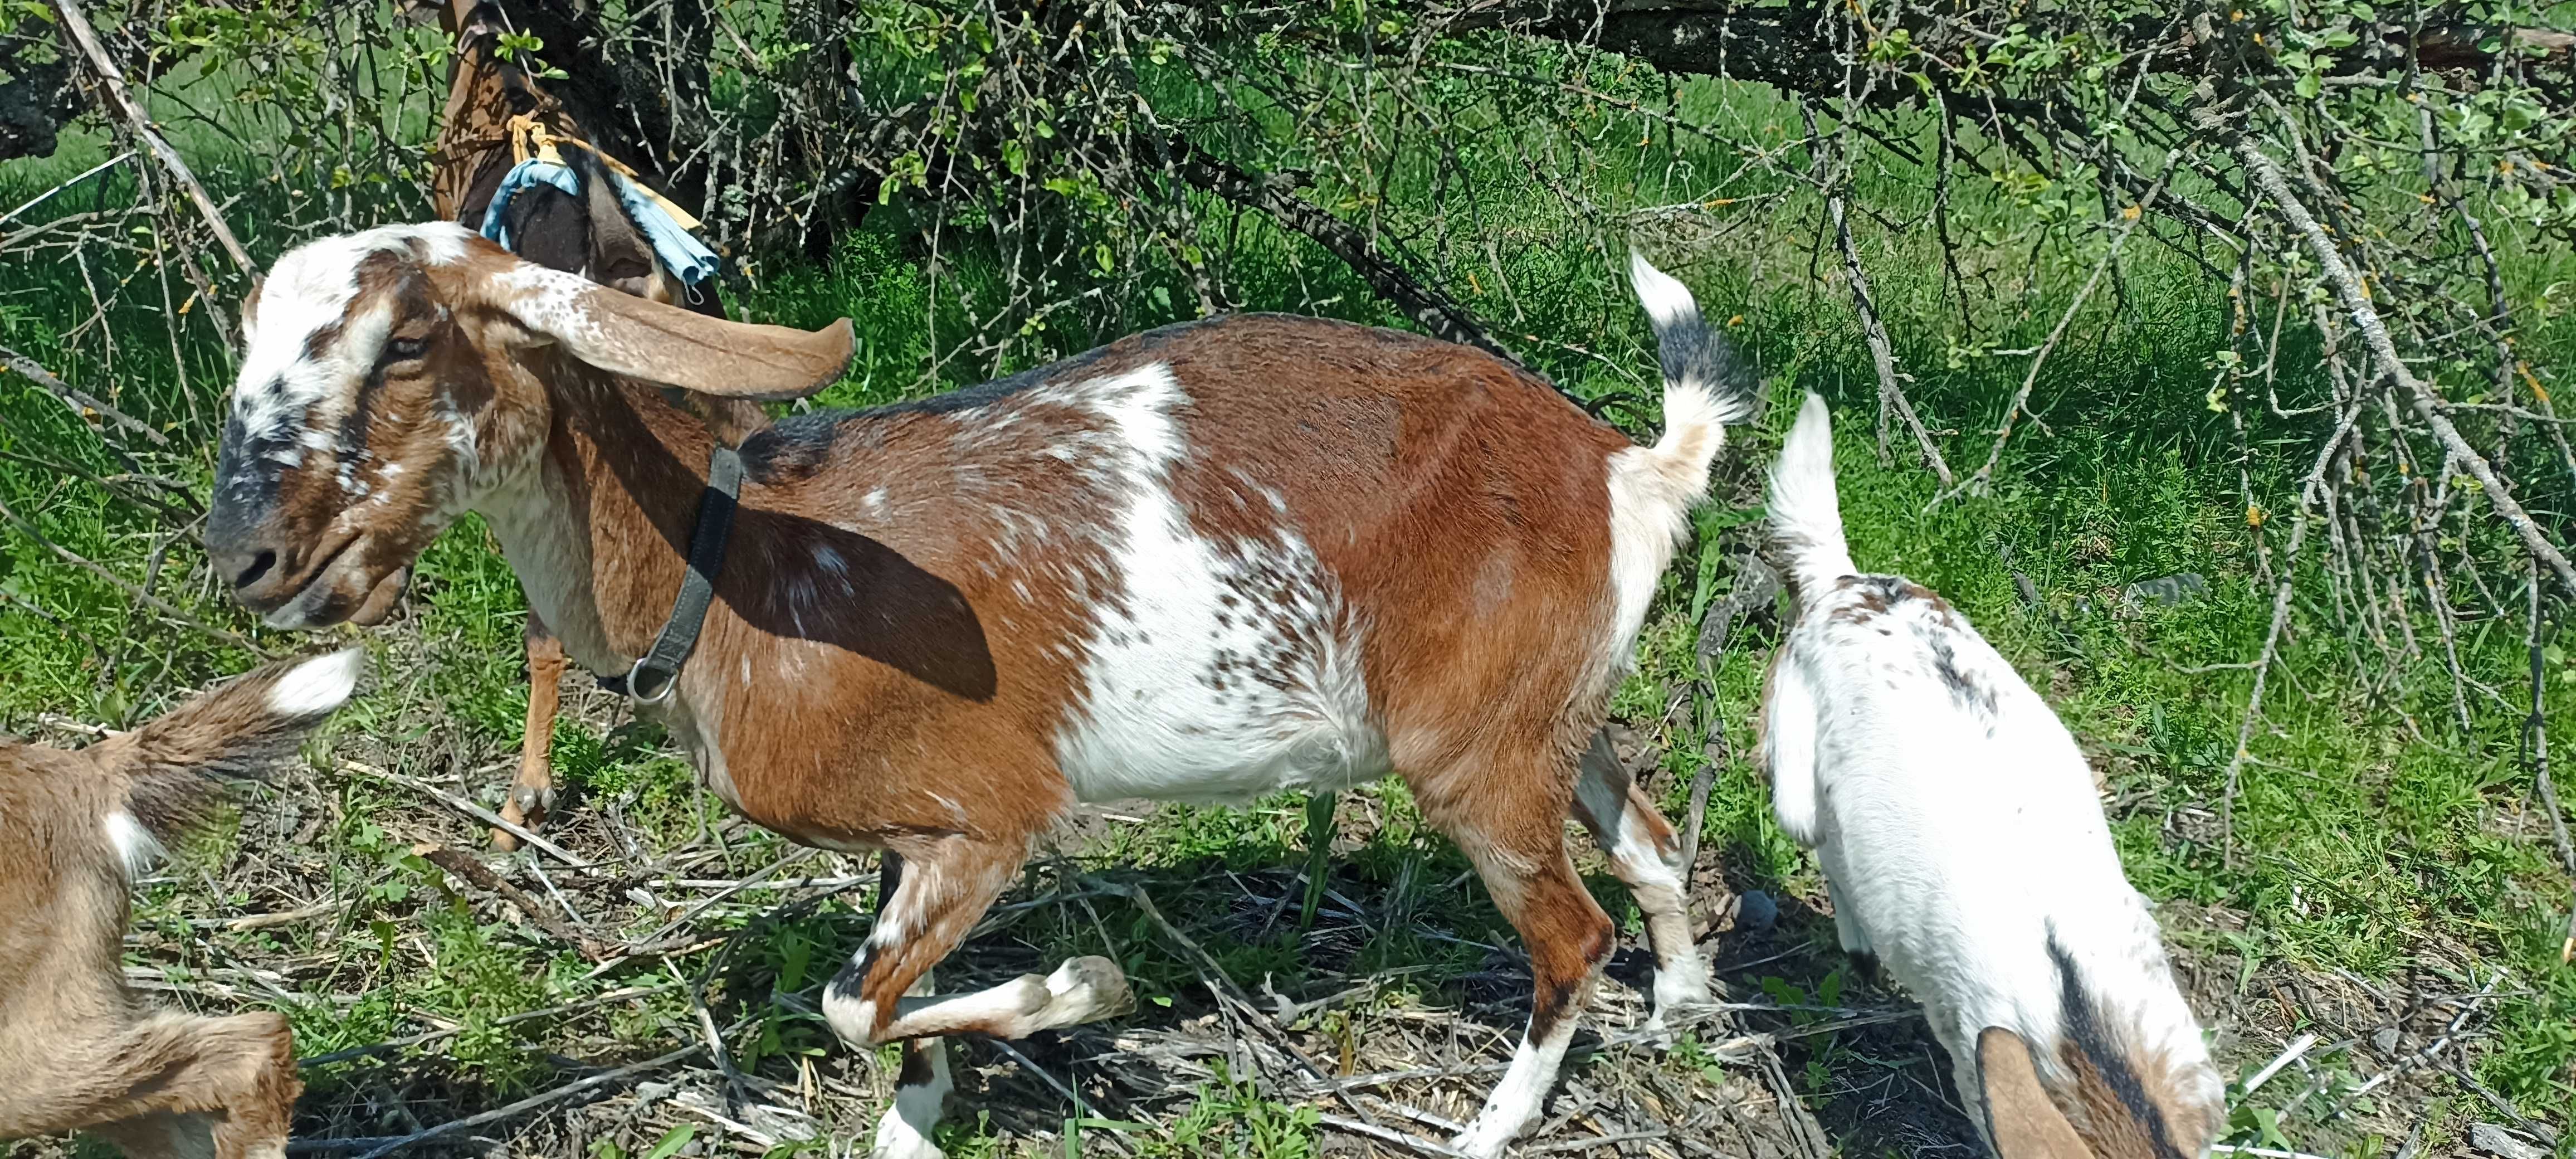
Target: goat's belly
{"points": [[1207, 690], [1172, 715], [1227, 763]]}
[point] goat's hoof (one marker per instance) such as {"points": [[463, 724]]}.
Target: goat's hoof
{"points": [[1482, 1140], [1087, 990], [900, 1136], [1681, 990], [533, 802], [905, 1145]]}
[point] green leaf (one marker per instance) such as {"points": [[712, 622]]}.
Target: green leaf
{"points": [[672, 1140]]}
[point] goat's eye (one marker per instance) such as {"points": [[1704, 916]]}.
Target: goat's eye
{"points": [[405, 349]]}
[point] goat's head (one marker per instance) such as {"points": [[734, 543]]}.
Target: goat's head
{"points": [[392, 379]]}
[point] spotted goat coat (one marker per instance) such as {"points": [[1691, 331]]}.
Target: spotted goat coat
{"points": [[1965, 850], [1201, 563]]}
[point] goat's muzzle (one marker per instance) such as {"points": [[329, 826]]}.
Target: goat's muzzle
{"points": [[302, 582]]}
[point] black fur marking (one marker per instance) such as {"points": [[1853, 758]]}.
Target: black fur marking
{"points": [[2083, 1023], [1963, 688], [246, 478], [1692, 352]]}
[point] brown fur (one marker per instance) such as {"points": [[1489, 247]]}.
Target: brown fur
{"points": [[78, 1049], [1460, 506], [2020, 1119], [593, 238], [2104, 1117]]}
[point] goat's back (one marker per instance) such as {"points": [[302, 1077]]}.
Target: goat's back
{"points": [[1960, 823]]}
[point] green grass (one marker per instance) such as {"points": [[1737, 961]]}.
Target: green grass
{"points": [[2372, 836]]}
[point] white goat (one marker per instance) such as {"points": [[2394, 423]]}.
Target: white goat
{"points": [[1964, 848]]}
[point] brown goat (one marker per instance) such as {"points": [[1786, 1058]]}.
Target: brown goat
{"points": [[588, 235], [1202, 563], [78, 1049]]}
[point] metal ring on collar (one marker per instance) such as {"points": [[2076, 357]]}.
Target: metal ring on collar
{"points": [[635, 685]]}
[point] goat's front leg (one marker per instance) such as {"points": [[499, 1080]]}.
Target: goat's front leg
{"points": [[942, 887], [533, 795]]}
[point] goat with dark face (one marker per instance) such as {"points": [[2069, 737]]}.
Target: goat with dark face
{"points": [[1202, 563]]}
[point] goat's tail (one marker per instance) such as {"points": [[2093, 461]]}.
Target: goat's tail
{"points": [[1653, 488], [1706, 387], [166, 774], [1806, 517]]}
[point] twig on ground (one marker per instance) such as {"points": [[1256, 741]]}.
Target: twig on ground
{"points": [[376, 1148], [467, 866], [1404, 1139], [1069, 1094], [470, 809], [2287, 1056]]}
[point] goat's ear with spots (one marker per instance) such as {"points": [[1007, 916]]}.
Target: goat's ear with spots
{"points": [[671, 346]]}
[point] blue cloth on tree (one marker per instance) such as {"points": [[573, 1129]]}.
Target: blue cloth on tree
{"points": [[682, 253]]}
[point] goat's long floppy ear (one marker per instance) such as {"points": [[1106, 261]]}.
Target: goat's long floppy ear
{"points": [[2025, 1125], [670, 346]]}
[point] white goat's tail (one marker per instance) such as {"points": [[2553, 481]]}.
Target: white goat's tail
{"points": [[1706, 387], [1806, 516]]}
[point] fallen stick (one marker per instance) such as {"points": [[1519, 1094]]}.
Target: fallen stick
{"points": [[464, 865], [380, 1146], [112, 79], [470, 809]]}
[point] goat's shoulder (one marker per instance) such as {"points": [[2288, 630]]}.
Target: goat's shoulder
{"points": [[1907, 637]]}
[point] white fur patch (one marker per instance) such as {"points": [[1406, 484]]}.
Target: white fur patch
{"points": [[1516, 1100], [318, 686], [133, 843], [281, 384], [853, 1020], [1960, 835], [1652, 489], [904, 1132], [1219, 670], [1666, 300]]}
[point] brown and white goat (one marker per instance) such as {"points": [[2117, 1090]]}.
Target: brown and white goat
{"points": [[78, 1049], [1964, 848], [1201, 563], [589, 235]]}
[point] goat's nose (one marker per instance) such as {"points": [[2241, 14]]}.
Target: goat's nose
{"points": [[244, 567]]}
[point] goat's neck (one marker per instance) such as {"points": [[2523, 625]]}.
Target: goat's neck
{"points": [[599, 530]]}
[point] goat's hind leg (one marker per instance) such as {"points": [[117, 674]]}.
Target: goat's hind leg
{"points": [[1645, 853], [945, 885], [1509, 818], [176, 1085], [921, 1088]]}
